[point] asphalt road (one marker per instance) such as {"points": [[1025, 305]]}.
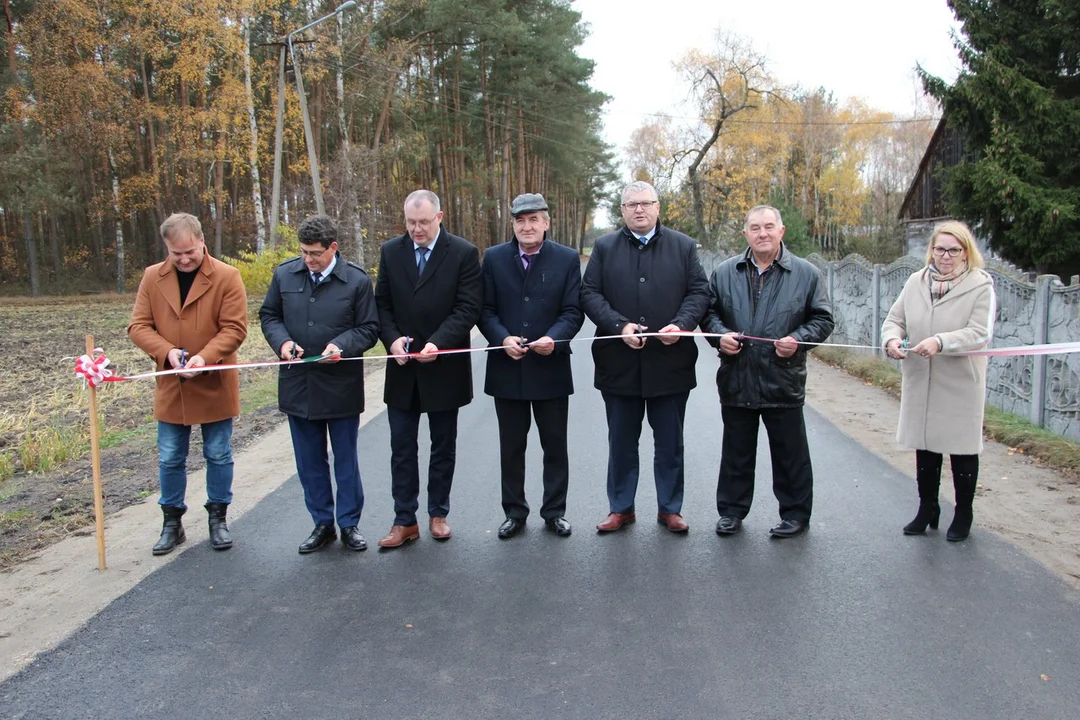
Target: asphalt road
{"points": [[852, 620]]}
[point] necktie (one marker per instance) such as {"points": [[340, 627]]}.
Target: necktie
{"points": [[421, 260], [316, 277], [527, 259]]}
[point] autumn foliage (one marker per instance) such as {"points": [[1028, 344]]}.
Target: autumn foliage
{"points": [[114, 114]]}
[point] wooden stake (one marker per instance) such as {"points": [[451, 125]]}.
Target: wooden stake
{"points": [[95, 463]]}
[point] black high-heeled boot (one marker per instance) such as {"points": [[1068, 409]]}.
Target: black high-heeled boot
{"points": [[965, 477], [928, 477]]}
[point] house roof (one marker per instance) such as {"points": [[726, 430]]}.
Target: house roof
{"points": [[931, 147]]}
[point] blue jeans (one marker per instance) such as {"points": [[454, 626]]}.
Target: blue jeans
{"points": [[172, 441]]}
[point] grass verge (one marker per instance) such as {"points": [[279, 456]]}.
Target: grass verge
{"points": [[1010, 430]]}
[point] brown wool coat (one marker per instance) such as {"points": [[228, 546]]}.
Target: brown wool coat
{"points": [[942, 399], [212, 323]]}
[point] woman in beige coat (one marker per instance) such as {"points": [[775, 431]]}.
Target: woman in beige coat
{"points": [[948, 307]]}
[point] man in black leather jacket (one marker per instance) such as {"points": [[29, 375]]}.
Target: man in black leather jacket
{"points": [[766, 292]]}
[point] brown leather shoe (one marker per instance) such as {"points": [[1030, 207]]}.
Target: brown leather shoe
{"points": [[399, 535], [615, 521], [674, 522], [439, 529]]}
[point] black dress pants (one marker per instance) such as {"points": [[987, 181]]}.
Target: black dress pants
{"points": [[515, 419], [625, 414], [405, 465], [793, 476]]}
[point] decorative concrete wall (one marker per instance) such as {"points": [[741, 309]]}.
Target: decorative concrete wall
{"points": [[1031, 311]]}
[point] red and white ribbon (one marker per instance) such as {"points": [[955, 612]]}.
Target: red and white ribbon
{"points": [[93, 370]]}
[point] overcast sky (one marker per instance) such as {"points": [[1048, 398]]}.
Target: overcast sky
{"points": [[855, 48]]}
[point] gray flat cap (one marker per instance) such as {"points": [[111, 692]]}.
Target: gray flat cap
{"points": [[528, 202]]}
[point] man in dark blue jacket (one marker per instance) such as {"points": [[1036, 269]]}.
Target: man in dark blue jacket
{"points": [[320, 303], [644, 278], [532, 310], [766, 292]]}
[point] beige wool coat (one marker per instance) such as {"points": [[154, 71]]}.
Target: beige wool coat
{"points": [[212, 323], [943, 398]]}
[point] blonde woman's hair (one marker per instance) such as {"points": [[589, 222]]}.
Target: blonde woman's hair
{"points": [[963, 235]]}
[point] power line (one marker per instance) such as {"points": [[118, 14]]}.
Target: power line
{"points": [[370, 62]]}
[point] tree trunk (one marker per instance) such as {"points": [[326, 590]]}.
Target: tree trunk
{"points": [[32, 256], [118, 224], [351, 194], [54, 248], [504, 196], [522, 187], [253, 145], [97, 261], [159, 206], [494, 221], [219, 193]]}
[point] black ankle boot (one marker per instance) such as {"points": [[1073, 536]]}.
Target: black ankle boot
{"points": [[964, 483], [172, 530], [928, 477], [220, 539], [928, 515]]}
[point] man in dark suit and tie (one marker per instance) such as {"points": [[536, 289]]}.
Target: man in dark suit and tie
{"points": [[531, 309], [428, 294]]}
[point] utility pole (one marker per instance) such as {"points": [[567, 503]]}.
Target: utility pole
{"points": [[275, 202], [309, 138], [313, 153]]}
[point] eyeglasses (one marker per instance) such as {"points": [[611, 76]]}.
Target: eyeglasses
{"points": [[635, 205], [951, 252], [313, 253]]}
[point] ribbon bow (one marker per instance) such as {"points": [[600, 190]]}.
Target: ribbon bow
{"points": [[93, 370]]}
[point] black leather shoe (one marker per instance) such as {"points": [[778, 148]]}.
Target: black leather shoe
{"points": [[321, 536], [511, 527], [789, 528], [352, 539], [559, 526], [728, 525]]}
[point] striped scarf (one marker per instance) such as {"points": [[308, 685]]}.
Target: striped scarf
{"points": [[941, 284]]}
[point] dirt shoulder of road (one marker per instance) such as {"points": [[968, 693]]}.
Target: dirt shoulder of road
{"points": [[1033, 506]]}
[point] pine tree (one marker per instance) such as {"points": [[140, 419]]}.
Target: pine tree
{"points": [[1017, 105]]}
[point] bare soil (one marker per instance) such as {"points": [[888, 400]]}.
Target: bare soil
{"points": [[44, 427]]}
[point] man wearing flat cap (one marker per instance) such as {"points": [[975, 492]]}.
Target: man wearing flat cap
{"points": [[532, 310]]}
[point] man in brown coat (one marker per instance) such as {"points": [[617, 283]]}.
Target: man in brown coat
{"points": [[191, 312]]}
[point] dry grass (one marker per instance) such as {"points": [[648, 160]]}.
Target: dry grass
{"points": [[1008, 429]]}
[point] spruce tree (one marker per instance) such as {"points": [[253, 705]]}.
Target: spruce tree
{"points": [[1016, 103]]}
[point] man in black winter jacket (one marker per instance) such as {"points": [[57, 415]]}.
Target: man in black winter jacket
{"points": [[319, 303], [768, 293], [644, 278]]}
